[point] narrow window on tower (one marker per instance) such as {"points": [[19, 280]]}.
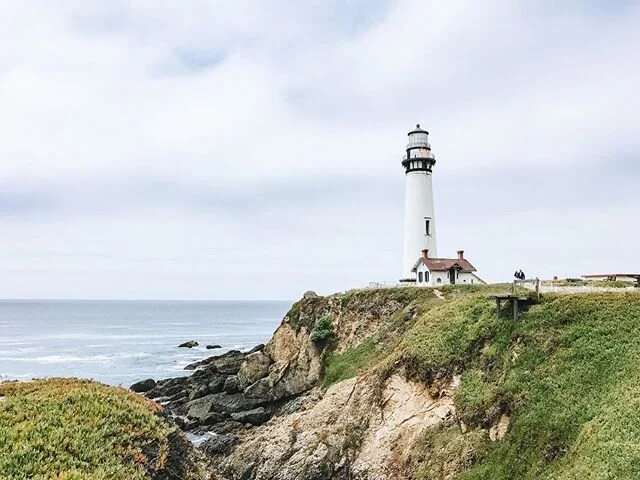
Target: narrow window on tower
{"points": [[426, 226], [419, 277]]}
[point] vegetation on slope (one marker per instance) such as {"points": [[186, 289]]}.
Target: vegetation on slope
{"points": [[74, 429], [567, 374], [350, 363]]}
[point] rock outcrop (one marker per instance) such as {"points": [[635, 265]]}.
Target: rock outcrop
{"points": [[266, 415], [143, 385], [347, 433], [213, 393]]}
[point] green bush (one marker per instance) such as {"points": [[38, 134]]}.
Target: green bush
{"points": [[323, 329]]}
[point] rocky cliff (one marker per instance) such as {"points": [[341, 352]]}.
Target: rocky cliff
{"points": [[415, 383]]}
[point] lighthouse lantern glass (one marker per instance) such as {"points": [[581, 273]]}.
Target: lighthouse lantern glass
{"points": [[418, 139]]}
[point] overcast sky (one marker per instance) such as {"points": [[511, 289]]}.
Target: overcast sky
{"points": [[251, 149]]}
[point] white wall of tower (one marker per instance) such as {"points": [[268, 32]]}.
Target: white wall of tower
{"points": [[418, 206]]}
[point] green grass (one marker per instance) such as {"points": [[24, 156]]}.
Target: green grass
{"points": [[72, 429], [577, 366], [567, 373], [443, 450], [348, 364], [577, 282], [397, 308]]}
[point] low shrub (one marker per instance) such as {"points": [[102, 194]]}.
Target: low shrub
{"points": [[76, 429], [323, 330]]}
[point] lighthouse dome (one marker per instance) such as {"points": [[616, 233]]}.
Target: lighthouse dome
{"points": [[418, 138]]}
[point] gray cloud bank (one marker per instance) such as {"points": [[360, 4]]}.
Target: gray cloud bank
{"points": [[252, 149]]}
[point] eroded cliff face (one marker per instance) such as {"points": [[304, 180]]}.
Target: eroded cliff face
{"points": [[297, 361], [269, 416], [348, 432], [360, 428]]}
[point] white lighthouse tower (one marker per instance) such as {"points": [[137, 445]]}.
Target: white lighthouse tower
{"points": [[419, 218]]}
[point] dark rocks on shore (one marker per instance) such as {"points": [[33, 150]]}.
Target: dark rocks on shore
{"points": [[216, 384], [229, 365], [212, 363], [257, 348], [212, 347], [231, 384], [219, 443], [189, 344], [212, 418], [257, 416], [200, 408], [224, 393], [230, 402], [225, 426], [143, 386]]}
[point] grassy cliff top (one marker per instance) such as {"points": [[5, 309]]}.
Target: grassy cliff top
{"points": [[567, 374], [75, 429]]}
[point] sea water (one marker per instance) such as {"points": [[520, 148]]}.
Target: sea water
{"points": [[120, 342]]}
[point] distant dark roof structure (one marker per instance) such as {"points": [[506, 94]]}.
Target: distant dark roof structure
{"points": [[442, 264]]}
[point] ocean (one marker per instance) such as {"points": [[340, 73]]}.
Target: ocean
{"points": [[120, 342]]}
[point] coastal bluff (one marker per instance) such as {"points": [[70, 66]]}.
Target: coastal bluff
{"points": [[414, 383]]}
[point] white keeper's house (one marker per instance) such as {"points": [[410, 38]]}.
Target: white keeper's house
{"points": [[432, 272], [421, 264]]}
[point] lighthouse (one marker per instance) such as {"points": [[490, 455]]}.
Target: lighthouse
{"points": [[419, 217]]}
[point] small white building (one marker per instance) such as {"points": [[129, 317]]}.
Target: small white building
{"points": [[435, 272]]}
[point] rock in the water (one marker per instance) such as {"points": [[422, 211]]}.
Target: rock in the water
{"points": [[231, 384], [257, 416], [211, 347], [219, 444], [189, 344], [143, 386], [309, 294], [255, 367]]}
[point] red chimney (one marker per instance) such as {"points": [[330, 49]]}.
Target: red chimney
{"points": [[460, 254], [425, 253]]}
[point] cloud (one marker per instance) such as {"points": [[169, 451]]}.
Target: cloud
{"points": [[252, 149]]}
